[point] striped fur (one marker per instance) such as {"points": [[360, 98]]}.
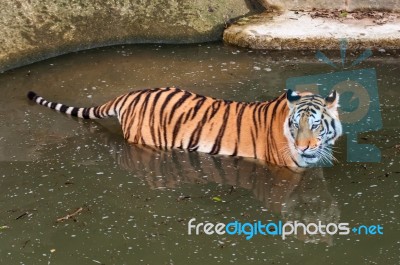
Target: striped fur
{"points": [[174, 118]]}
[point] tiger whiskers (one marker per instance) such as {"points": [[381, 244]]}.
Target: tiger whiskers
{"points": [[325, 155], [335, 149]]}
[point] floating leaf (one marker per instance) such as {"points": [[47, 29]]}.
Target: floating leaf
{"points": [[217, 199]]}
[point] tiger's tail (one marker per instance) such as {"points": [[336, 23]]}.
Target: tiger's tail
{"points": [[99, 112]]}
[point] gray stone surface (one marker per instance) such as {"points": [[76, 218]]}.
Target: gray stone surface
{"points": [[37, 29], [299, 31], [349, 5]]}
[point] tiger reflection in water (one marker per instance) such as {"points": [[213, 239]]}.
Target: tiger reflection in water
{"points": [[296, 195]]}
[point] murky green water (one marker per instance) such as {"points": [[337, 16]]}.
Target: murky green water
{"points": [[136, 202]]}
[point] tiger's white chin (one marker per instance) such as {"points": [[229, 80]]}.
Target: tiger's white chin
{"points": [[310, 160]]}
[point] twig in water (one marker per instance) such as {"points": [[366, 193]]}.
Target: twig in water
{"points": [[22, 215], [68, 216]]}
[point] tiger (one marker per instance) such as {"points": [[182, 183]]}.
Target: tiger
{"points": [[293, 130]]}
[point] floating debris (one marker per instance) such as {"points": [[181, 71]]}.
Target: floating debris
{"points": [[217, 199], [69, 216]]}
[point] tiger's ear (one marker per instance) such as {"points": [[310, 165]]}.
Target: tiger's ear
{"points": [[292, 97], [332, 101]]}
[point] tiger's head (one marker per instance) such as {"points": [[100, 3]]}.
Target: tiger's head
{"points": [[312, 126]]}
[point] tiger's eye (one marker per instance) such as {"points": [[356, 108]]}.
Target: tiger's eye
{"points": [[315, 126]]}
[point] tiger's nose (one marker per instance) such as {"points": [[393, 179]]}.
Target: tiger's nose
{"points": [[303, 148]]}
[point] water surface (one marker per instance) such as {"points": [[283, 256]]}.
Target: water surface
{"points": [[136, 202]]}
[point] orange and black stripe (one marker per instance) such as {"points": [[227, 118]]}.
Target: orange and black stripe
{"points": [[174, 118]]}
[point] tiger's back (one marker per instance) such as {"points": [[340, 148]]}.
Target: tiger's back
{"points": [[174, 118]]}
